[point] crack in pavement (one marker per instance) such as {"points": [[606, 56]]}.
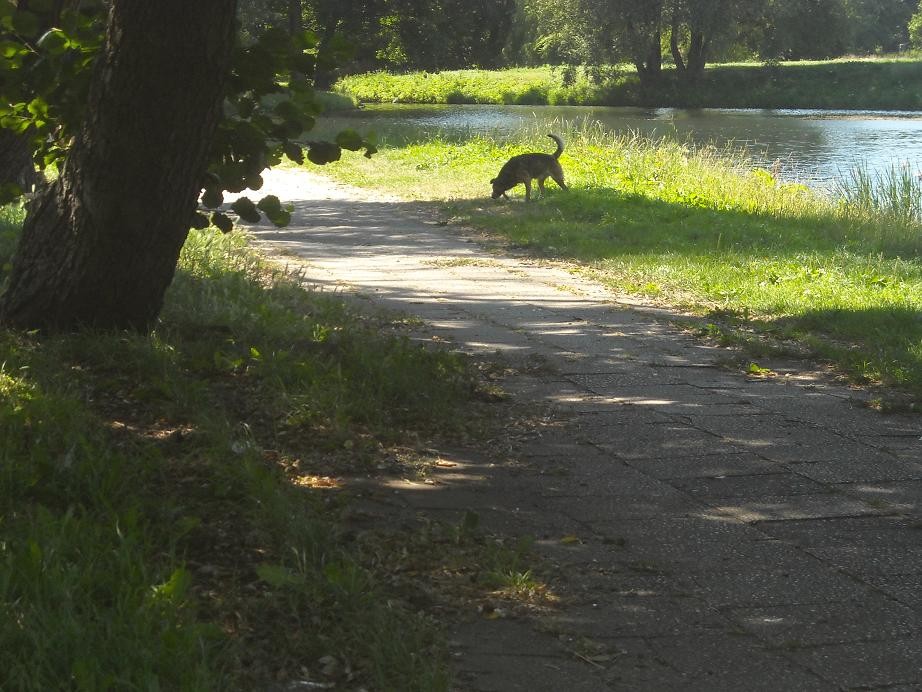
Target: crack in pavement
{"points": [[735, 532]]}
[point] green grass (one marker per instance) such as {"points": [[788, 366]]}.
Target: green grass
{"points": [[701, 231], [878, 83], [518, 85], [159, 523]]}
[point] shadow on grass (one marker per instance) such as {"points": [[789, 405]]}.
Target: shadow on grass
{"points": [[879, 344], [885, 85], [600, 224]]}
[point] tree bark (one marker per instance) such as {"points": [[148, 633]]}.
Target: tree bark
{"points": [[697, 55], [100, 244], [16, 165], [675, 50], [691, 68], [650, 65]]}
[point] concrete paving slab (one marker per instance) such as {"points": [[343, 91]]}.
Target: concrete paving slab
{"points": [[876, 618], [792, 507], [761, 585], [613, 616], [715, 531], [714, 465], [753, 487], [847, 467], [733, 662], [866, 665]]}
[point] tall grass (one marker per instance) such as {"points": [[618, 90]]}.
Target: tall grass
{"points": [[701, 229], [529, 86], [158, 524], [894, 193]]}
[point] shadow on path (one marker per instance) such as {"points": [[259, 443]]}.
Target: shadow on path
{"points": [[732, 532]]}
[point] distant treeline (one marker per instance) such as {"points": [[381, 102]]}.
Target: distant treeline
{"points": [[408, 35]]}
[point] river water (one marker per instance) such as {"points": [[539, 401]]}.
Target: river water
{"points": [[815, 147]]}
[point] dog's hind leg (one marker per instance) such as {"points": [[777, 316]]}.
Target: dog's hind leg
{"points": [[541, 185], [558, 178], [527, 189]]}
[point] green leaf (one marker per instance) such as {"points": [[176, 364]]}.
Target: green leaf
{"points": [[281, 219], [322, 153], [53, 41], [38, 107], [175, 588], [270, 204], [213, 198], [349, 139], [272, 208], [200, 221], [278, 576], [222, 222], [294, 152], [470, 522], [246, 210]]}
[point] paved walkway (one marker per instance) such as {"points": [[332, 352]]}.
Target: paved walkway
{"points": [[734, 533]]}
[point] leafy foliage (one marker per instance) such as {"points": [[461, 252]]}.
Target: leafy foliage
{"points": [[44, 74], [266, 117], [270, 102]]}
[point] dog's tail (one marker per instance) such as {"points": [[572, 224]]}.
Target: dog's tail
{"points": [[559, 141]]}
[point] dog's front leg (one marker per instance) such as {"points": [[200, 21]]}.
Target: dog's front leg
{"points": [[527, 190]]}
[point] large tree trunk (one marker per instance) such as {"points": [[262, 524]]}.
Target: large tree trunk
{"points": [[16, 165], [100, 244], [697, 55], [650, 64]]}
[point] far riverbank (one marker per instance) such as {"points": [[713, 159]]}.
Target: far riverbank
{"points": [[860, 84]]}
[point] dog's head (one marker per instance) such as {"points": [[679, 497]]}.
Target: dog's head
{"points": [[499, 189]]}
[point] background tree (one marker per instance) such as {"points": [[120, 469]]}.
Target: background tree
{"points": [[634, 30], [915, 28], [802, 29], [550, 31], [699, 28], [878, 25]]}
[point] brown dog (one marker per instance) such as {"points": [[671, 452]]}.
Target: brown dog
{"points": [[527, 167]]}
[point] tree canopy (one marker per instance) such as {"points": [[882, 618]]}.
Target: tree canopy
{"points": [[449, 34]]}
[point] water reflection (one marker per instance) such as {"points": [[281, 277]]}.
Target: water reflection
{"points": [[815, 147]]}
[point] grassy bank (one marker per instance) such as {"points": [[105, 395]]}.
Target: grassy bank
{"points": [[169, 517], [847, 83], [698, 230]]}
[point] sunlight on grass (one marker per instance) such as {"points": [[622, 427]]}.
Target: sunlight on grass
{"points": [[155, 529], [702, 229], [893, 83]]}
